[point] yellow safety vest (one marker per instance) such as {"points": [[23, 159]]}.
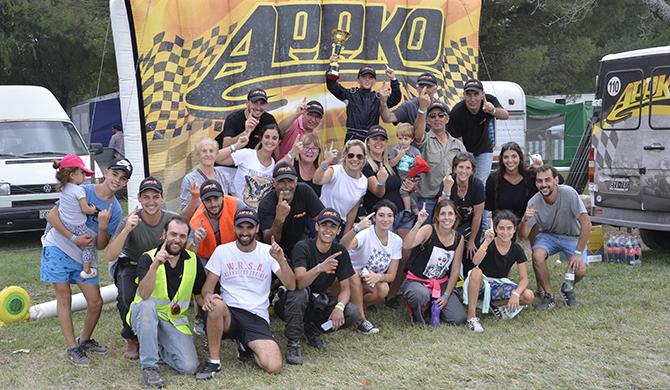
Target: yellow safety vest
{"points": [[181, 298]]}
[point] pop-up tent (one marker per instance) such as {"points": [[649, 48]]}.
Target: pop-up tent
{"points": [[554, 130]]}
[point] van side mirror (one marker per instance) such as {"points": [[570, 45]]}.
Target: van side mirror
{"points": [[95, 148]]}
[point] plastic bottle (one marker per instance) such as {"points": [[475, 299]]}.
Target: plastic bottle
{"points": [[435, 314], [637, 251], [621, 249], [569, 284], [610, 249], [630, 251]]}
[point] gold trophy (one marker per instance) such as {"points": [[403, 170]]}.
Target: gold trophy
{"points": [[339, 37]]}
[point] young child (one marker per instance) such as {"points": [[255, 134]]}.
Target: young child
{"points": [[403, 156], [72, 206]]}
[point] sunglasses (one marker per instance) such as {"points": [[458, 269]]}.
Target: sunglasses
{"points": [[434, 115], [357, 156]]}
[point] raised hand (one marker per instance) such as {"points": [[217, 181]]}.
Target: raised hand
{"points": [[489, 235], [194, 190], [382, 174], [488, 107], [276, 251], [199, 234], [334, 58], [330, 154], [103, 217], [384, 93], [424, 99], [390, 73], [329, 265], [448, 182], [365, 222], [242, 140], [529, 214], [302, 107], [133, 220], [283, 208], [423, 215], [162, 254], [250, 124]]}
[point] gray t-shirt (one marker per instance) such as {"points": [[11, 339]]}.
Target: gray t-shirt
{"points": [[407, 112], [144, 236], [198, 178], [560, 218], [69, 209]]}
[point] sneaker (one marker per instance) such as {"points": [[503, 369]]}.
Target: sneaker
{"points": [[132, 349], [242, 354], [474, 325], [407, 217], [547, 303], [313, 337], [151, 377], [294, 353], [393, 303], [366, 327], [568, 296], [78, 357], [199, 326], [208, 371], [496, 311], [92, 346]]}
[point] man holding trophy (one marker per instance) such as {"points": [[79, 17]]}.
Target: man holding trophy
{"points": [[362, 102]]}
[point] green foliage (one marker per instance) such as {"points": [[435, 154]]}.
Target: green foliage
{"points": [[553, 47]]}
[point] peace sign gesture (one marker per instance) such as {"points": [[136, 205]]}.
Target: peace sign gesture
{"points": [[330, 154]]}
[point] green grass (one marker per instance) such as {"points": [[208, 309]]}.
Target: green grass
{"points": [[616, 338]]}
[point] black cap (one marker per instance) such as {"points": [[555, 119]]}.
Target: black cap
{"points": [[246, 215], [315, 107], [439, 105], [122, 164], [256, 95], [329, 215], [151, 183], [210, 188], [117, 126], [367, 69], [284, 170], [377, 131], [427, 79], [473, 85]]}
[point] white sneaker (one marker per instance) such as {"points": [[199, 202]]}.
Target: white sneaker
{"points": [[474, 325]]}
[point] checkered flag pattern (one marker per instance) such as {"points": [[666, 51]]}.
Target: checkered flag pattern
{"points": [[605, 144], [459, 65]]}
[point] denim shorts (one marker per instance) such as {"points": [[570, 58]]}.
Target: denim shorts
{"points": [[554, 243], [58, 267]]}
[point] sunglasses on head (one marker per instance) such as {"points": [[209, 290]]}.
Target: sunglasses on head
{"points": [[436, 115], [357, 156]]}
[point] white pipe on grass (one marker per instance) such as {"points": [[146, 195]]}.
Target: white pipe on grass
{"points": [[48, 309]]}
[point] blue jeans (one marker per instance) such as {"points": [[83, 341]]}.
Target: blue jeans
{"points": [[484, 162], [160, 339], [430, 207]]}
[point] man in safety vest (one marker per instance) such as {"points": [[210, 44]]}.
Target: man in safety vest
{"points": [[169, 277]]}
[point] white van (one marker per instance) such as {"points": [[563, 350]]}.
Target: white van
{"points": [[513, 99], [34, 131]]}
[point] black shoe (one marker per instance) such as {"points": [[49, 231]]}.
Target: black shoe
{"points": [[78, 357], [294, 353], [208, 371], [568, 296], [393, 303], [92, 346], [151, 377], [314, 337], [547, 303], [243, 354], [407, 216]]}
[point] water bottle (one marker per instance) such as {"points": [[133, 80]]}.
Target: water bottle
{"points": [[569, 284], [435, 314]]}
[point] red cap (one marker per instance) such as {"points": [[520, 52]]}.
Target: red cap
{"points": [[74, 161]]}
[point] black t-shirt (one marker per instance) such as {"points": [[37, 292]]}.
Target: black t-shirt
{"points": [[305, 204], [234, 125], [465, 206], [173, 275], [504, 195], [496, 265], [315, 187], [392, 193], [472, 128], [433, 259], [305, 254]]}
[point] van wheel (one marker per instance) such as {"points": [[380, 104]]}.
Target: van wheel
{"points": [[655, 239]]}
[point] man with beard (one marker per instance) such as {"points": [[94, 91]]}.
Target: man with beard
{"points": [[559, 218], [170, 276], [285, 210], [317, 263], [250, 119], [244, 268]]}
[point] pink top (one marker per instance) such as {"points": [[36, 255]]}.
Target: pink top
{"points": [[295, 131]]}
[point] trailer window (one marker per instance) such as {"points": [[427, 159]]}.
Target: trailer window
{"points": [[622, 99], [659, 112]]}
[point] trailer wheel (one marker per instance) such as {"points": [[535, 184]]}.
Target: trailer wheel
{"points": [[655, 239]]}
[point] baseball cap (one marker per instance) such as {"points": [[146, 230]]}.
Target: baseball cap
{"points": [[151, 183], [117, 126], [473, 85], [210, 188], [122, 164], [74, 161], [315, 107], [439, 105], [284, 170], [329, 215], [377, 131], [246, 215], [367, 69], [426, 79], [256, 95]]}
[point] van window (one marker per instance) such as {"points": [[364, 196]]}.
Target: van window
{"points": [[622, 99], [659, 113], [35, 139]]}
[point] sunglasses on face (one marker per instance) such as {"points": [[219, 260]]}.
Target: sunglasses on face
{"points": [[437, 115], [357, 156]]}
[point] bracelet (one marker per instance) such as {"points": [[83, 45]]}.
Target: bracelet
{"points": [[233, 148], [420, 111], [445, 296], [516, 293], [493, 112], [357, 229], [324, 166], [340, 306], [73, 238], [444, 194], [578, 252], [318, 267], [381, 183], [290, 155]]}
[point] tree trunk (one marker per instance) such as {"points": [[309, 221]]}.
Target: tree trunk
{"points": [[659, 8]]}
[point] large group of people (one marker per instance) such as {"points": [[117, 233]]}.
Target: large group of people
{"points": [[325, 235]]}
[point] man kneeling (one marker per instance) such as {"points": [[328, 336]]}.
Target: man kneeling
{"points": [[244, 268]]}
